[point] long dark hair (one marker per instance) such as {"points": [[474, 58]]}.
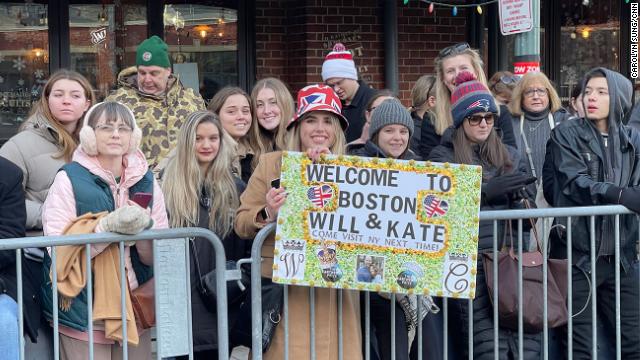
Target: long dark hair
{"points": [[492, 151]]}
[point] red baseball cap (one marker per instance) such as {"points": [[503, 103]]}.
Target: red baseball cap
{"points": [[318, 97]]}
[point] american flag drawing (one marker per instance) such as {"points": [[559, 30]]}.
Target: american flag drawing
{"points": [[320, 195], [435, 207]]}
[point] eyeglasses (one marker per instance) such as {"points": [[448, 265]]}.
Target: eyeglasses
{"points": [[532, 92], [108, 128], [475, 120], [453, 49]]}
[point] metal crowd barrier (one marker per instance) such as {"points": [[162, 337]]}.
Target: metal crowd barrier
{"points": [[495, 216], [157, 235]]}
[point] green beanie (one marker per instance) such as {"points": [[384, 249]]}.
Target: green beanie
{"points": [[153, 51]]}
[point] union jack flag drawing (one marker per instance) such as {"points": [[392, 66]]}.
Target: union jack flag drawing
{"points": [[434, 207], [320, 195], [483, 103]]}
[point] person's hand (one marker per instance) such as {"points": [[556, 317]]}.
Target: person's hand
{"points": [[315, 152], [498, 189], [630, 198], [275, 199], [128, 219]]}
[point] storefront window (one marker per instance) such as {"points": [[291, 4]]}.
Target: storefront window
{"points": [[24, 62], [203, 41], [590, 37], [104, 38]]}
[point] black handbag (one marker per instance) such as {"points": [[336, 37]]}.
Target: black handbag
{"points": [[206, 284], [272, 297]]}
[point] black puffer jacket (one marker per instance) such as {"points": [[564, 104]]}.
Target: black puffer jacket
{"points": [[205, 328], [583, 169], [13, 217], [482, 306]]}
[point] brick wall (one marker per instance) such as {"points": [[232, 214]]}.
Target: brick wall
{"points": [[293, 36]]}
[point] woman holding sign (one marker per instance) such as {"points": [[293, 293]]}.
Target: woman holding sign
{"points": [[473, 140], [390, 133], [318, 128]]}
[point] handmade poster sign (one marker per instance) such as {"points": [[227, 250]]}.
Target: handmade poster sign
{"points": [[378, 225]]}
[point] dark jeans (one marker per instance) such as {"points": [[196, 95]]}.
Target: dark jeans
{"points": [[605, 286], [380, 330]]}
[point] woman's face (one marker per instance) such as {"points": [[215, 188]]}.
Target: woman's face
{"points": [[478, 127], [267, 109], [235, 116], [207, 143], [112, 137], [454, 65], [317, 130], [535, 98], [393, 140], [67, 101]]}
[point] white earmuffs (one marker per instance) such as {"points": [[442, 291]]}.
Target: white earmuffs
{"points": [[88, 141]]}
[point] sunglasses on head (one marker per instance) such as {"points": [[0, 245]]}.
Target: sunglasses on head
{"points": [[475, 120], [453, 49], [509, 79]]}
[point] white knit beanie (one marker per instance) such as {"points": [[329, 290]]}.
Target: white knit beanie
{"points": [[339, 64]]}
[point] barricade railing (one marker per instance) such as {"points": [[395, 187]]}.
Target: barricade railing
{"points": [[159, 237], [593, 213]]}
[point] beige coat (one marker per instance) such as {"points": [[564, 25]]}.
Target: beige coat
{"points": [[35, 151], [252, 202]]}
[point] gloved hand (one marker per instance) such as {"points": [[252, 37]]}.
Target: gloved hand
{"points": [[498, 189], [629, 197], [129, 219]]}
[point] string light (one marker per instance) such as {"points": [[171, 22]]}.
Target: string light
{"points": [[430, 8], [454, 12], [479, 9]]}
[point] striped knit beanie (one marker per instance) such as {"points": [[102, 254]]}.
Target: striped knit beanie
{"points": [[470, 97], [339, 64]]}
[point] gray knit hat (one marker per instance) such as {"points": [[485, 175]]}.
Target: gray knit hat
{"points": [[390, 112]]}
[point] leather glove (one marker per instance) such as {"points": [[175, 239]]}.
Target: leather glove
{"points": [[629, 197], [129, 219], [498, 189]]}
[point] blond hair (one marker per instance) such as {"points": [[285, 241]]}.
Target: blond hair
{"points": [[183, 181], [443, 117], [515, 106], [260, 140], [338, 146], [67, 142]]}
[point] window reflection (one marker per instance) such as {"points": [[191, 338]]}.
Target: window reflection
{"points": [[24, 62], [590, 37], [203, 45], [104, 38]]}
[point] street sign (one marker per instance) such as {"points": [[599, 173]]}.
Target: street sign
{"points": [[516, 16]]}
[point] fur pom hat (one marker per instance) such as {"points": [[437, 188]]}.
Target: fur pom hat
{"points": [[88, 142]]}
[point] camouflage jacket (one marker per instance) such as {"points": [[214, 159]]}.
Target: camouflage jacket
{"points": [[159, 116]]}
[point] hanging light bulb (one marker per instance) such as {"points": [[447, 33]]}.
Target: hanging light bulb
{"points": [[203, 33], [430, 8], [585, 33], [454, 11], [479, 9]]}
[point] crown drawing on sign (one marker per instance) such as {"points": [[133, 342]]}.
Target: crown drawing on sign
{"points": [[293, 245]]}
